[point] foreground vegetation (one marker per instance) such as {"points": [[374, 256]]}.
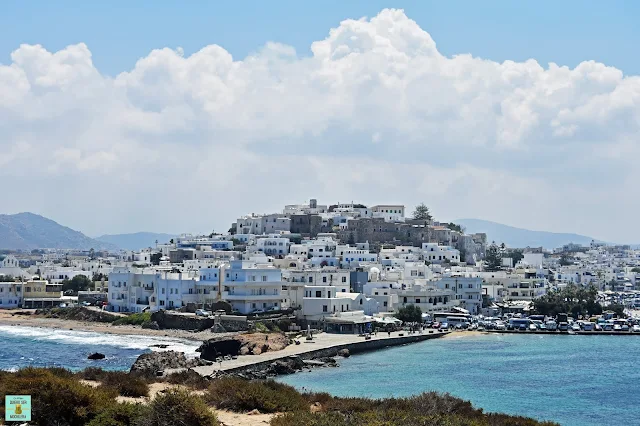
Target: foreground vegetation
{"points": [[60, 397]]}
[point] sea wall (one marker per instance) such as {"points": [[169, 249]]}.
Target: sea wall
{"points": [[353, 348]]}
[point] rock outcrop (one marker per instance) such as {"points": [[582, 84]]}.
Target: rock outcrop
{"points": [[96, 355], [151, 363], [215, 348], [180, 322], [344, 353]]}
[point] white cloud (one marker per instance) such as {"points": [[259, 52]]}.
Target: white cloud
{"points": [[375, 114]]}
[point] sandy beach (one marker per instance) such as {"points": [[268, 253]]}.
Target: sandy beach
{"points": [[9, 318]]}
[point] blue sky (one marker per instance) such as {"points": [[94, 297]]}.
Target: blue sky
{"points": [[119, 32], [378, 113]]}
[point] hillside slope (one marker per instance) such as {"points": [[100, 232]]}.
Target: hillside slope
{"points": [[135, 241], [27, 231], [518, 237]]}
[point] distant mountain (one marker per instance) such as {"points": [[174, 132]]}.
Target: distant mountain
{"points": [[518, 237], [28, 231], [135, 241]]}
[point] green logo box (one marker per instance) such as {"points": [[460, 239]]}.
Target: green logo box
{"points": [[17, 408]]}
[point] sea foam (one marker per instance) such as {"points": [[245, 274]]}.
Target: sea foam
{"points": [[73, 337]]}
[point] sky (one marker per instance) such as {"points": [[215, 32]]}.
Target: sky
{"points": [[180, 117]]}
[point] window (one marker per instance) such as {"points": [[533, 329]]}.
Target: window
{"points": [[376, 293], [318, 294], [163, 291], [385, 304], [324, 279], [310, 279], [264, 278], [344, 279], [404, 300], [324, 308], [417, 300], [162, 303], [361, 302]]}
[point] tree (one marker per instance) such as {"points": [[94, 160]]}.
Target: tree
{"points": [[409, 313], [422, 213], [493, 260], [565, 260], [574, 300], [636, 270], [98, 276], [92, 253], [618, 309], [155, 258], [456, 227], [76, 284], [515, 255]]}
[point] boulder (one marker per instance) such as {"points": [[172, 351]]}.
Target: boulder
{"points": [[96, 355], [344, 353], [215, 348], [151, 363], [286, 366], [151, 325]]}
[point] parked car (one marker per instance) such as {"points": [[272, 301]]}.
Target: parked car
{"points": [[636, 328], [551, 326], [202, 313], [444, 326], [500, 325], [575, 327], [624, 327], [436, 325], [597, 327]]}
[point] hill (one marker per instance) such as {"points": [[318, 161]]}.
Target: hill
{"points": [[135, 241], [518, 237], [28, 231]]}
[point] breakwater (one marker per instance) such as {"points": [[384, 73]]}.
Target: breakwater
{"points": [[316, 349]]}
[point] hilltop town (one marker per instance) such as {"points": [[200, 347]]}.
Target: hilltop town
{"points": [[335, 267]]}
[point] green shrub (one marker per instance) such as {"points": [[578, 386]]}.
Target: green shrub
{"points": [[124, 384], [134, 319], [125, 414], [260, 327], [91, 373], [177, 407], [188, 378], [243, 395], [57, 397]]}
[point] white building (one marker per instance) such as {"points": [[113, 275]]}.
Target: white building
{"points": [[390, 213], [247, 286], [435, 253], [468, 291], [273, 245], [138, 291], [10, 295]]}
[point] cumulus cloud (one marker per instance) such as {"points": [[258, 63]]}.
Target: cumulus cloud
{"points": [[375, 114]]}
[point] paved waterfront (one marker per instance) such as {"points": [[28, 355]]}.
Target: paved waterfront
{"points": [[320, 341]]}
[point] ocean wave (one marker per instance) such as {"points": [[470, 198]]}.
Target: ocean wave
{"points": [[73, 337]]}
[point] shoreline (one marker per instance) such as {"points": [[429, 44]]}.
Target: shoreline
{"points": [[7, 319]]}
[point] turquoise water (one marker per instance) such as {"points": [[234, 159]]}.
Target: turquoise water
{"points": [[44, 347], [573, 380]]}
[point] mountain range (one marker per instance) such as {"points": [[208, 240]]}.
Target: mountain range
{"points": [[518, 237], [135, 241], [28, 231]]}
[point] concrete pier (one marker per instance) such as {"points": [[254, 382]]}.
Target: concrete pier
{"points": [[322, 345]]}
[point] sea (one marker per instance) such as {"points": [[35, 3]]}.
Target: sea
{"points": [[46, 347], [570, 379]]}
